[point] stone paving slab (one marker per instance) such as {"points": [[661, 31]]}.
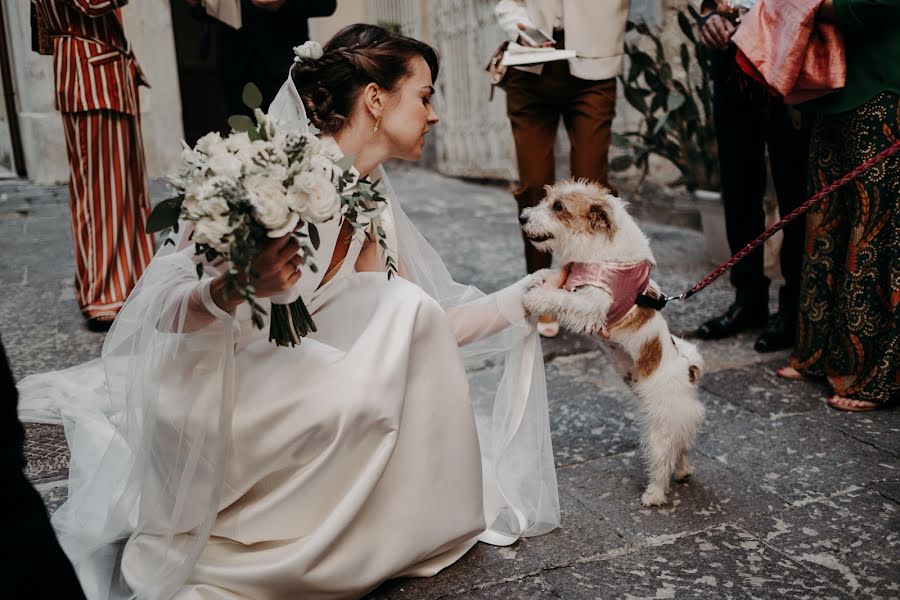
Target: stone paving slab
{"points": [[795, 457], [46, 453], [851, 540], [583, 533], [724, 562], [713, 496]]}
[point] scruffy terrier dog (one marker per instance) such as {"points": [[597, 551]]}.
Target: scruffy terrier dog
{"points": [[606, 264]]}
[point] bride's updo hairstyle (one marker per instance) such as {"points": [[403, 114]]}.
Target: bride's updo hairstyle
{"points": [[356, 56]]}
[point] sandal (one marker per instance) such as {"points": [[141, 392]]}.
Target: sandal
{"points": [[850, 405], [790, 373]]}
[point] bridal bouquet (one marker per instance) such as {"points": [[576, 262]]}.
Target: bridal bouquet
{"points": [[264, 181]]}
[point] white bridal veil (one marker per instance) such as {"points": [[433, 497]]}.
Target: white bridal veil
{"points": [[142, 463]]}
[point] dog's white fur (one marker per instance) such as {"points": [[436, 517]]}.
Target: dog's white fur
{"points": [[582, 222]]}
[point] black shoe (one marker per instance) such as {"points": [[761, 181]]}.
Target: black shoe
{"points": [[779, 334], [736, 319], [99, 324]]}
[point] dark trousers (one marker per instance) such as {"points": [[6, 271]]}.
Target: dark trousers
{"points": [[32, 565], [535, 103], [749, 121]]}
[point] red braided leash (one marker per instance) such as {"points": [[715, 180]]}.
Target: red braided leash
{"points": [[893, 149]]}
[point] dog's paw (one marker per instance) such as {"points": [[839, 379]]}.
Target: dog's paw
{"points": [[548, 278], [684, 474], [653, 498], [534, 301]]}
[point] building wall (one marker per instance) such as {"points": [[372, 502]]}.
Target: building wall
{"points": [[148, 25]]}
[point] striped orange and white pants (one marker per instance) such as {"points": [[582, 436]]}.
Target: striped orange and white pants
{"points": [[109, 203]]}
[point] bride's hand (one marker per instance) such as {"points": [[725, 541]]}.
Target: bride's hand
{"points": [[277, 268]]}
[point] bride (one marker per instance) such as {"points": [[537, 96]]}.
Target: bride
{"points": [[209, 463]]}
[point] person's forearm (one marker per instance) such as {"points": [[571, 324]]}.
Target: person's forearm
{"points": [[227, 300], [97, 8]]}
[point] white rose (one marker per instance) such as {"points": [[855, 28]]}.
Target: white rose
{"points": [[288, 227], [216, 232], [276, 171], [236, 141], [226, 165], [215, 206], [324, 166], [309, 50], [269, 201], [314, 197], [208, 140]]}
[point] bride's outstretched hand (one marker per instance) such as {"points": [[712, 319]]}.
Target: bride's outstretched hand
{"points": [[275, 270]]}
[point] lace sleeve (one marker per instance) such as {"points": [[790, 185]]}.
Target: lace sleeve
{"points": [[486, 316]]}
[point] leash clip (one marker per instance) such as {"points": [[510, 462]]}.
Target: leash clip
{"points": [[645, 301]]}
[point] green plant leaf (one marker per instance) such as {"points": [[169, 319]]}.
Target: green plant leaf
{"points": [[164, 215], [241, 123], [685, 59], [314, 238], [686, 27], [621, 163], [345, 162], [675, 102], [635, 99], [251, 96]]}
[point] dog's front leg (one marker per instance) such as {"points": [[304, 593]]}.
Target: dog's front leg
{"points": [[545, 300]]}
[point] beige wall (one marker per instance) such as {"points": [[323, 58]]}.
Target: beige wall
{"points": [[148, 25], [348, 12]]}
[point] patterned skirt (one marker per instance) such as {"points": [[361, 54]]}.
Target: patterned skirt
{"points": [[850, 290]]}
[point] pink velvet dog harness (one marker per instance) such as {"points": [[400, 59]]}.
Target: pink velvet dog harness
{"points": [[622, 281]]}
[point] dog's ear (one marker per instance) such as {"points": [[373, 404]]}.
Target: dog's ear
{"points": [[598, 217], [694, 373]]}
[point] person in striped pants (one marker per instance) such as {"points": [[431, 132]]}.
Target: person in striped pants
{"points": [[97, 78]]}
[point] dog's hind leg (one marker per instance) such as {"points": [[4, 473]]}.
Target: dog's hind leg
{"points": [[683, 467], [660, 455]]}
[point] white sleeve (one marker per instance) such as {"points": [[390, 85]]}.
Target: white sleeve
{"points": [[488, 315], [509, 14]]}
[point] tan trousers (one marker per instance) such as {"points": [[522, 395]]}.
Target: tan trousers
{"points": [[535, 104]]}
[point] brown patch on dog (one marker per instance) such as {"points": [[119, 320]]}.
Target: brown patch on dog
{"points": [[581, 206], [693, 373], [636, 319], [649, 357]]}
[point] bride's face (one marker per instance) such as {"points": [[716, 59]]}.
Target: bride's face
{"points": [[408, 114]]}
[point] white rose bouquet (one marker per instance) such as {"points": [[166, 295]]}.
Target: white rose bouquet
{"points": [[260, 182]]}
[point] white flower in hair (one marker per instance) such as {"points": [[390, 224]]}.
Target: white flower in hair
{"points": [[310, 50]]}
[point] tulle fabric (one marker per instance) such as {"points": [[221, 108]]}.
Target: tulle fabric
{"points": [[149, 423]]}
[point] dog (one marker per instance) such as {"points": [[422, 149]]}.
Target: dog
{"points": [[606, 263]]}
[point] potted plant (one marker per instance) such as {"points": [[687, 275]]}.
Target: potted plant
{"points": [[677, 123]]}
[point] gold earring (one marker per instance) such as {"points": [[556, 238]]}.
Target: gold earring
{"points": [[377, 125]]}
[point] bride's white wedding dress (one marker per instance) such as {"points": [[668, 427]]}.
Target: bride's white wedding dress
{"points": [[222, 466]]}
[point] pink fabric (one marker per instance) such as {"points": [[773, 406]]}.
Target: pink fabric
{"points": [[623, 282], [799, 57]]}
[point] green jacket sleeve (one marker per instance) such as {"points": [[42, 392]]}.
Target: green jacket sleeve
{"points": [[854, 15]]}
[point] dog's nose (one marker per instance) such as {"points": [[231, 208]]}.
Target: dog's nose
{"points": [[523, 218]]}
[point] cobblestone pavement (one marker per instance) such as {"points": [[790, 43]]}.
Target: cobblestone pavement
{"points": [[789, 499]]}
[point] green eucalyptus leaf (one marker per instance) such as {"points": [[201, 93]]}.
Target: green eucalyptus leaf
{"points": [[164, 215], [251, 96], [344, 163], [241, 123]]}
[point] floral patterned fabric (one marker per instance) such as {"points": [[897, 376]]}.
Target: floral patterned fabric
{"points": [[850, 291]]}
